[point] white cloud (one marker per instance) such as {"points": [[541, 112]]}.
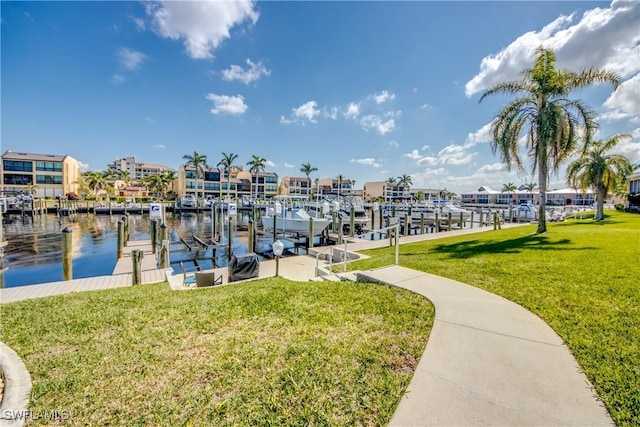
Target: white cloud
{"points": [[481, 135], [492, 168], [424, 147], [629, 148], [270, 164], [288, 165], [330, 113], [603, 38], [203, 25], [160, 146], [83, 166], [252, 74], [130, 59], [118, 79], [140, 24], [149, 119], [376, 123], [624, 103], [307, 111], [452, 154], [368, 161], [383, 96], [426, 107], [224, 104], [394, 144], [353, 111]]}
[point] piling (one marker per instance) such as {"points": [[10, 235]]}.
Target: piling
{"points": [[421, 222], [275, 232], [495, 222], [407, 223], [471, 219], [136, 259], [230, 247], [380, 216], [310, 238], [67, 249], [437, 223], [461, 224], [120, 239], [164, 254], [352, 222], [449, 222], [251, 237], [154, 236], [340, 230], [481, 223]]}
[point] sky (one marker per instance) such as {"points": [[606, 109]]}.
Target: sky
{"points": [[368, 90]]}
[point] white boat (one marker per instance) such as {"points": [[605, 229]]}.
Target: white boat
{"points": [[188, 201], [455, 211], [293, 218]]}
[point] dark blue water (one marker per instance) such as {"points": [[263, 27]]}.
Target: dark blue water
{"points": [[34, 251]]}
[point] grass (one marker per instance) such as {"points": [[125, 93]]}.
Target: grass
{"points": [[581, 277], [269, 352]]}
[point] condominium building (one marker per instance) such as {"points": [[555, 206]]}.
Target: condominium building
{"points": [[137, 170], [633, 190], [333, 186], [296, 186], [216, 183], [557, 197], [388, 191], [44, 175]]}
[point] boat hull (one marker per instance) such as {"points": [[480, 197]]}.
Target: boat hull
{"points": [[295, 225]]}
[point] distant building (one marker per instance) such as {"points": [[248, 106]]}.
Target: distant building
{"points": [[331, 186], [137, 170], [45, 175], [559, 197], [389, 191], [296, 186], [216, 183]]}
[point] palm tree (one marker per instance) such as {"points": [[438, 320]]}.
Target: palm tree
{"points": [[530, 186], [597, 168], [257, 164], [125, 177], [317, 181], [168, 177], [199, 162], [227, 164], [95, 181], [553, 122], [405, 181], [509, 188], [307, 169], [154, 184]]}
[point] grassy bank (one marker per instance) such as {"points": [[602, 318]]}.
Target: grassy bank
{"points": [[581, 277], [270, 352]]}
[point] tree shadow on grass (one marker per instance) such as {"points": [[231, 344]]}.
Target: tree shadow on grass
{"points": [[471, 248]]}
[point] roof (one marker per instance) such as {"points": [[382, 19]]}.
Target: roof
{"points": [[11, 155]]}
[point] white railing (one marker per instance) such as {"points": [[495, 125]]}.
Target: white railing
{"points": [[345, 257]]}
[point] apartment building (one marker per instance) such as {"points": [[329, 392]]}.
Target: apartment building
{"points": [[216, 183], [44, 175], [332, 186], [390, 192], [296, 186], [557, 197], [137, 170]]}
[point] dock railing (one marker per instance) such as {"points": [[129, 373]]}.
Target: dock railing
{"points": [[394, 237]]}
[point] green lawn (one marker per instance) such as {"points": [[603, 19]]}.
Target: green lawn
{"points": [[581, 277], [269, 352]]}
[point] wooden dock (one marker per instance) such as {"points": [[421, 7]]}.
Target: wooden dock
{"points": [[121, 277]]}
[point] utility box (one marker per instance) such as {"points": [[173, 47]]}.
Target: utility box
{"points": [[244, 266]]}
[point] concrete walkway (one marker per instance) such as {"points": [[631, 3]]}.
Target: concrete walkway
{"points": [[489, 362]]}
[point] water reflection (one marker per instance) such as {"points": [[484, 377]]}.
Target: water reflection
{"points": [[34, 249]]}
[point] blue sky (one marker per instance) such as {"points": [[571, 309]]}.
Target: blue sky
{"points": [[369, 90]]}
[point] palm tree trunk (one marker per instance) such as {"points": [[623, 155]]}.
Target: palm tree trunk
{"points": [[599, 203], [542, 198]]}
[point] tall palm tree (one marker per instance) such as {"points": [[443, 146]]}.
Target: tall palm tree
{"points": [[404, 180], [199, 162], [307, 169], [256, 164], [227, 163], [553, 122], [125, 177], [509, 188], [154, 184], [598, 168]]}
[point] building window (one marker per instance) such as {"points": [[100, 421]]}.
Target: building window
{"points": [[48, 179], [191, 175], [49, 166], [17, 166], [271, 180], [13, 179]]}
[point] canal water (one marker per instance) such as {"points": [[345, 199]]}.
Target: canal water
{"points": [[34, 246]]}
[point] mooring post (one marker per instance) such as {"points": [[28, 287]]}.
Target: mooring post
{"points": [[154, 236], [380, 217], [407, 218], [67, 266], [275, 232], [251, 237], [340, 230], [437, 223], [495, 222], [120, 239], [164, 254], [471, 219], [230, 247], [310, 238], [421, 222], [352, 222], [136, 259], [461, 224]]}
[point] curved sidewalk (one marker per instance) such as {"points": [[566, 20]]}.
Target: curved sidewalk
{"points": [[489, 362]]}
